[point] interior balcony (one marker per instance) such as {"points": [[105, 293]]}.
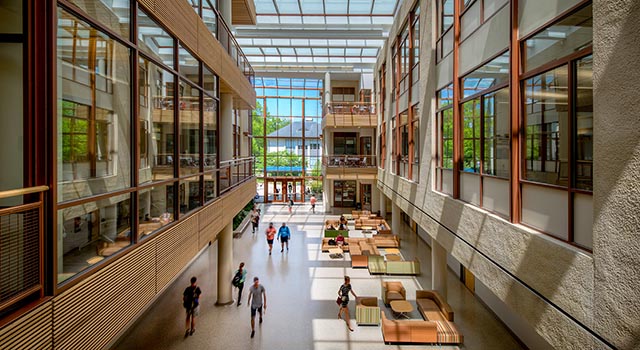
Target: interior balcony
{"points": [[349, 115], [350, 167]]}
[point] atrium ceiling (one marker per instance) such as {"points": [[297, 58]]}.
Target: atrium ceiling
{"points": [[316, 36]]}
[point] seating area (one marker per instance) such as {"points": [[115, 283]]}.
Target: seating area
{"points": [[436, 327], [373, 223]]}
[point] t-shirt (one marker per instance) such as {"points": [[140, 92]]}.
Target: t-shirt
{"points": [[313, 200], [191, 297], [255, 217], [284, 232], [256, 295], [271, 232]]}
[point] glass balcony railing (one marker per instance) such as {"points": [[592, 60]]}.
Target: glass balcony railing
{"points": [[235, 171]]}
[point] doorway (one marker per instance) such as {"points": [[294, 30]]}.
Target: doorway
{"points": [[365, 196], [280, 190]]}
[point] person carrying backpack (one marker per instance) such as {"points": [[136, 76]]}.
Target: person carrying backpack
{"points": [[284, 234], [191, 303], [238, 281]]}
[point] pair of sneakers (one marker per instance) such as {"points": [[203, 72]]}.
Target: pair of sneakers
{"points": [[189, 332]]}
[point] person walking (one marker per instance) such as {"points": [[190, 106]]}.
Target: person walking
{"points": [[257, 301], [191, 303], [284, 235], [238, 281], [290, 204], [343, 293], [313, 201], [255, 219], [270, 233]]}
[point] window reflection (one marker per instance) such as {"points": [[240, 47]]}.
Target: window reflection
{"points": [[189, 194], [114, 14], [490, 75], [547, 127], [88, 233], [156, 87], [471, 136], [189, 66], [154, 40], [561, 39], [155, 209], [496, 133], [584, 124], [189, 129], [93, 111]]}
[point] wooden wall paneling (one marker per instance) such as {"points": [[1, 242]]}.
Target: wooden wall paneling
{"points": [[210, 224], [174, 249], [179, 17], [209, 48], [91, 313], [148, 5], [31, 331]]}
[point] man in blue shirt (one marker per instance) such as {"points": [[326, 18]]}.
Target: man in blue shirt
{"points": [[283, 236]]}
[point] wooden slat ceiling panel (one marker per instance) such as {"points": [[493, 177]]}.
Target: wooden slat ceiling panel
{"points": [[243, 12]]}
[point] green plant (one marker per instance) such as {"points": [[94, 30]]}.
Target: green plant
{"points": [[237, 220]]}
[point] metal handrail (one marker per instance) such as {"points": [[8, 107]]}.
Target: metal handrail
{"points": [[23, 191], [352, 108]]}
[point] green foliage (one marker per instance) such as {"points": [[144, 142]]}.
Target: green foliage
{"points": [[272, 124], [237, 220], [283, 158]]}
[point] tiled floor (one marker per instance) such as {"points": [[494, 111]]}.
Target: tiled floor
{"points": [[301, 287]]}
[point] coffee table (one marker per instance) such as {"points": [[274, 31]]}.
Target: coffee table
{"points": [[335, 253], [366, 229], [393, 257], [401, 307]]}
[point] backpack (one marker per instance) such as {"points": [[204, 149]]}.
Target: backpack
{"points": [[191, 298], [332, 242], [236, 279]]}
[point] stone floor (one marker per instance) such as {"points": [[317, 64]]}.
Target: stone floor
{"points": [[301, 287]]}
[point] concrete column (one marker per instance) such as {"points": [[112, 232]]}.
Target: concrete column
{"points": [[327, 87], [226, 127], [383, 204], [224, 6], [396, 221], [439, 268], [225, 265], [326, 195]]}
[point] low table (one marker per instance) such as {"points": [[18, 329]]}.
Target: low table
{"points": [[335, 253], [401, 307], [392, 251], [366, 229]]}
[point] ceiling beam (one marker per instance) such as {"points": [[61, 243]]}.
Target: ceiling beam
{"points": [[310, 34]]}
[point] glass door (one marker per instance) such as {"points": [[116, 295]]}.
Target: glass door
{"points": [[365, 196]]}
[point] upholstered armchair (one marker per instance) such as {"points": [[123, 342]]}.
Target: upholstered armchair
{"points": [[393, 291], [367, 311]]}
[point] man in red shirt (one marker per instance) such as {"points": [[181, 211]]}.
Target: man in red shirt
{"points": [[270, 233]]}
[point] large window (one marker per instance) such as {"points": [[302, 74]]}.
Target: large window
{"points": [[286, 128], [444, 136], [176, 163], [94, 111], [557, 145]]}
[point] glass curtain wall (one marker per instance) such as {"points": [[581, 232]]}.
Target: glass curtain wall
{"points": [[286, 138], [170, 136]]}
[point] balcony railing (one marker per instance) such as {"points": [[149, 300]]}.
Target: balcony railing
{"points": [[349, 161], [349, 114], [233, 49], [21, 235], [235, 171], [350, 108]]}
